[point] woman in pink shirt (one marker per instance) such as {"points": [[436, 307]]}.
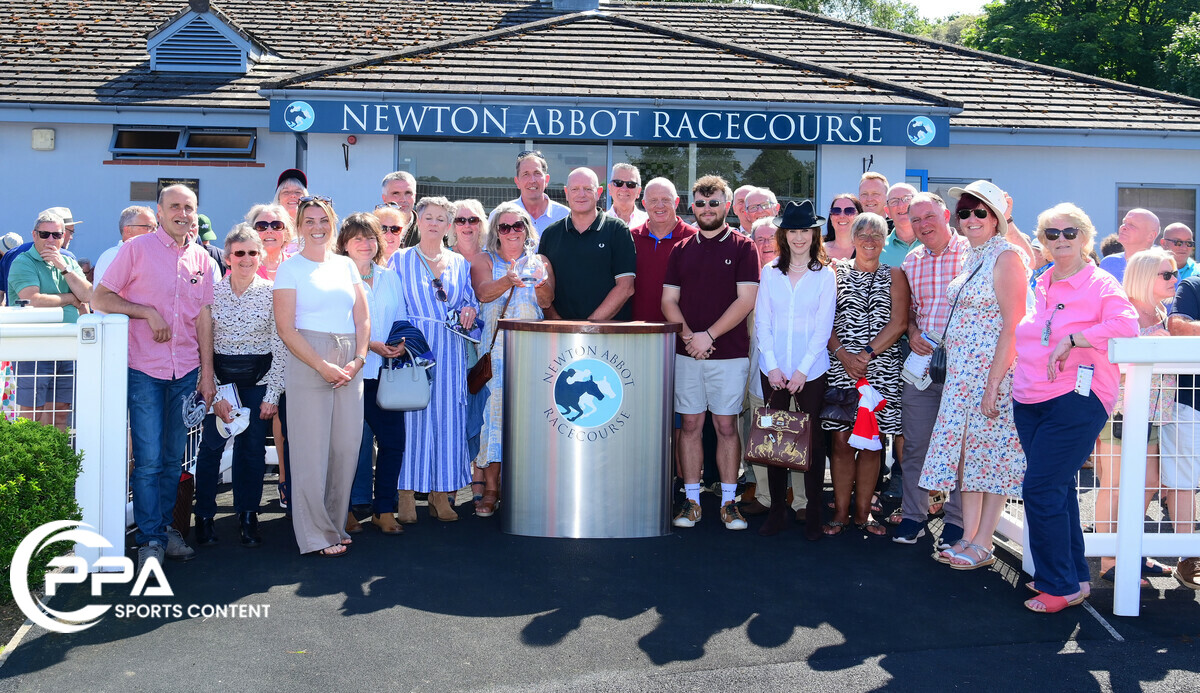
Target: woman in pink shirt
{"points": [[1063, 391]]}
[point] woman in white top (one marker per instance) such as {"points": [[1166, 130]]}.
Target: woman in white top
{"points": [[793, 318], [321, 315], [361, 239]]}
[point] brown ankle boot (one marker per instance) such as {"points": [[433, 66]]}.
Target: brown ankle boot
{"points": [[439, 507], [406, 511], [352, 524], [387, 524]]}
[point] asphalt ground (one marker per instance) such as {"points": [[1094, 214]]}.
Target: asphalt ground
{"points": [[462, 606]]}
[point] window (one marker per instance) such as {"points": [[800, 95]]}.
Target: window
{"points": [[461, 170], [148, 142], [1171, 204]]}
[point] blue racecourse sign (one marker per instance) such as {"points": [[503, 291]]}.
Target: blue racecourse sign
{"points": [[640, 124]]}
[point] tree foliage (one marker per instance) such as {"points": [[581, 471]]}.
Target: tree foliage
{"points": [[1116, 39], [1181, 59]]}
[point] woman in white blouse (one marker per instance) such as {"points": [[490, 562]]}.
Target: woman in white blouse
{"points": [[321, 314], [793, 318], [361, 239], [249, 355]]}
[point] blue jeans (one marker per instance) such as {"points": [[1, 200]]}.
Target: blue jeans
{"points": [[360, 492], [1057, 436], [249, 459], [159, 440], [388, 427]]}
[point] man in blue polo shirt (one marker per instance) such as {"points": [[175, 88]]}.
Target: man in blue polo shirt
{"points": [[1177, 240], [709, 288], [592, 254]]}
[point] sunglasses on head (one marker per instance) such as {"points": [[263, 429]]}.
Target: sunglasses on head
{"points": [[394, 230], [515, 227], [1169, 275], [385, 205], [244, 253], [707, 203], [273, 225], [979, 212], [1068, 233], [530, 152], [439, 291], [463, 221], [316, 198], [847, 211], [631, 184], [50, 234]]}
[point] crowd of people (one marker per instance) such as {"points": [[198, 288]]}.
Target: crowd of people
{"points": [[984, 349]]}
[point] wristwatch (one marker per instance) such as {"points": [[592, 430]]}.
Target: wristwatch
{"points": [[869, 350], [361, 358]]}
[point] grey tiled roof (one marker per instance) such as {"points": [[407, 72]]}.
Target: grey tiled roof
{"points": [[583, 55], [94, 52]]}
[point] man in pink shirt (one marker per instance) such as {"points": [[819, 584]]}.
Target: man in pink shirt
{"points": [[929, 269], [164, 283]]}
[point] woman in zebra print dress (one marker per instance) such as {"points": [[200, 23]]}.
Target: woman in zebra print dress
{"points": [[871, 314]]}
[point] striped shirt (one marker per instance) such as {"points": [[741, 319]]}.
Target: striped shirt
{"points": [[928, 276]]}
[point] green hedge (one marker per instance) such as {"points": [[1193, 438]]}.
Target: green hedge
{"points": [[38, 469]]}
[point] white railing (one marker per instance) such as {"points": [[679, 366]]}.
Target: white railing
{"points": [[1141, 358], [98, 345]]}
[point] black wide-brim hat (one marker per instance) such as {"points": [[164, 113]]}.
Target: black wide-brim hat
{"points": [[799, 215]]}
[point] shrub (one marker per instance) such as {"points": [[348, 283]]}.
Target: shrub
{"points": [[38, 469]]}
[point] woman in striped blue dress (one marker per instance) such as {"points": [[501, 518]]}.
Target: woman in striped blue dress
{"points": [[436, 281]]}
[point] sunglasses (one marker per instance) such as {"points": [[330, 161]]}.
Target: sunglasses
{"points": [[244, 253], [440, 292], [847, 211], [1169, 275], [463, 221], [700, 204], [316, 198], [273, 225], [50, 234], [631, 184], [981, 213], [1180, 244], [393, 230], [385, 205], [1068, 233], [515, 227]]}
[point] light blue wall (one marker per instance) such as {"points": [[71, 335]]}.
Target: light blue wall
{"points": [[357, 189], [840, 167], [1041, 177], [73, 175]]}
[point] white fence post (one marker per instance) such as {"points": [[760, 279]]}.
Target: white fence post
{"points": [[1132, 484], [100, 388]]}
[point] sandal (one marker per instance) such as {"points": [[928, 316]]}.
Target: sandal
{"points": [[476, 498], [283, 495], [1083, 594], [1052, 604], [870, 528], [937, 501], [896, 517], [945, 555], [986, 558], [876, 506], [1152, 568], [332, 551], [833, 528], [1110, 576]]}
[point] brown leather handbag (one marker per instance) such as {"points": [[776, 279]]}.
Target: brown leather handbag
{"points": [[780, 438], [481, 372]]}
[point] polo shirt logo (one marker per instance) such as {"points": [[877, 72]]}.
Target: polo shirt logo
{"points": [[728, 262], [600, 246]]}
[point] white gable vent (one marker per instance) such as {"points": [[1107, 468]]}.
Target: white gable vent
{"points": [[202, 39]]}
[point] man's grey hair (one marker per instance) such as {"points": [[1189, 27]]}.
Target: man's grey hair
{"points": [[765, 191], [49, 218], [927, 197], [400, 175], [545, 166], [129, 213], [630, 169]]}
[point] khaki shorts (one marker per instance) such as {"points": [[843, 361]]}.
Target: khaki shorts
{"points": [[718, 386], [1178, 466]]}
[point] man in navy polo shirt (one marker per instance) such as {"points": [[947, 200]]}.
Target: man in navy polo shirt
{"points": [[592, 254], [710, 287]]}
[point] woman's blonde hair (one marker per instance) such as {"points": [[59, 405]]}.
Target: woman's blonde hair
{"points": [[1079, 219], [476, 208], [1141, 271]]}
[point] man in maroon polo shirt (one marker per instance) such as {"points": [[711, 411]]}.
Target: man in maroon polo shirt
{"points": [[654, 241], [710, 287]]}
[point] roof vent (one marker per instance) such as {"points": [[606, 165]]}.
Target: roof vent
{"points": [[576, 5], [202, 39]]}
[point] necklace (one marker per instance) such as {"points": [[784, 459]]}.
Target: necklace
{"points": [[435, 258], [1056, 277], [367, 277]]}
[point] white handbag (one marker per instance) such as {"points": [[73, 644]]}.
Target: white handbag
{"points": [[402, 389]]}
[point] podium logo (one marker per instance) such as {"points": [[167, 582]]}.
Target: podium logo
{"points": [[88, 616], [588, 393]]}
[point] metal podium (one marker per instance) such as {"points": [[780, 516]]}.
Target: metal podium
{"points": [[588, 416]]}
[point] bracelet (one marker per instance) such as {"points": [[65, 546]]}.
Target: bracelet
{"points": [[1072, 338], [840, 347], [361, 358], [710, 337]]}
